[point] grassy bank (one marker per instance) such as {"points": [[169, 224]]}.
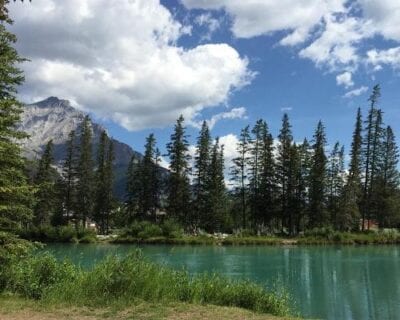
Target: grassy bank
{"points": [[323, 236], [122, 281], [17, 308]]}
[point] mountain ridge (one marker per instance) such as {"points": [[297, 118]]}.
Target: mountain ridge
{"points": [[54, 119]]}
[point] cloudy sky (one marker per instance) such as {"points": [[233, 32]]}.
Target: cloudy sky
{"points": [[135, 65]]}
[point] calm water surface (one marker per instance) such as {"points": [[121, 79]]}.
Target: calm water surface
{"points": [[343, 282]]}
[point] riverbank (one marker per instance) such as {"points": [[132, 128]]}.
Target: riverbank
{"points": [[334, 238], [121, 281], [17, 308], [146, 233]]}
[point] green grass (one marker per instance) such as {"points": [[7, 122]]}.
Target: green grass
{"points": [[119, 281], [14, 307]]}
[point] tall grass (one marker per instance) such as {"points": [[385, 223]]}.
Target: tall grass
{"points": [[124, 280]]}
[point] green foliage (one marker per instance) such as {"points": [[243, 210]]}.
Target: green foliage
{"points": [[85, 174], [12, 249], [145, 230], [35, 276], [16, 196], [178, 184], [104, 183], [122, 280], [68, 233]]}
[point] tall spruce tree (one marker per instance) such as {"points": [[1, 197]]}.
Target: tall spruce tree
{"points": [[216, 190], [318, 216], [150, 179], [104, 183], [133, 189], [45, 183], [178, 185], [294, 190], [85, 187], [108, 184], [350, 200], [201, 175], [239, 173], [387, 193], [371, 155], [335, 182], [267, 180], [305, 155], [16, 196], [69, 175], [283, 171], [255, 167]]}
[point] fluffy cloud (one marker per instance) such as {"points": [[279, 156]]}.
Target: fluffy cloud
{"points": [[328, 32], [345, 79], [120, 60], [356, 92], [234, 113], [390, 57], [212, 24]]}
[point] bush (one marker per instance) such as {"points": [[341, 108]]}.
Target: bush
{"points": [[171, 229], [67, 233], [12, 249], [124, 279], [150, 231], [34, 276]]}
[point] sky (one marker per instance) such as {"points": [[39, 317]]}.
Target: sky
{"points": [[136, 65]]}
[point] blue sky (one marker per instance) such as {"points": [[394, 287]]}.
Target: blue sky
{"points": [[136, 65]]}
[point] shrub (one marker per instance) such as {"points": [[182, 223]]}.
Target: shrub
{"points": [[171, 229], [12, 249], [123, 279], [34, 276], [150, 231]]}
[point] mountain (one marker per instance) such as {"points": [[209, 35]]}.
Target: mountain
{"points": [[54, 118]]}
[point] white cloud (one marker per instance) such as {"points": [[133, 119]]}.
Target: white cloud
{"points": [[258, 17], [234, 113], [328, 32], [389, 57], [345, 79], [356, 92], [286, 109], [212, 24], [120, 60]]}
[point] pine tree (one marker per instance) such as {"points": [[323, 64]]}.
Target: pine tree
{"points": [[239, 173], [150, 179], [201, 173], [178, 185], [104, 182], [335, 182], [387, 192], [373, 144], [294, 190], [255, 167], [85, 188], [305, 156], [108, 184], [349, 213], [45, 184], [318, 216], [69, 175], [133, 188], [267, 178], [16, 195], [216, 190], [283, 168]]}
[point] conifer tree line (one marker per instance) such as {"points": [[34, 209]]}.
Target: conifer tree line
{"points": [[276, 185]]}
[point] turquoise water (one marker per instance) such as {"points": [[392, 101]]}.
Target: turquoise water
{"points": [[331, 282]]}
